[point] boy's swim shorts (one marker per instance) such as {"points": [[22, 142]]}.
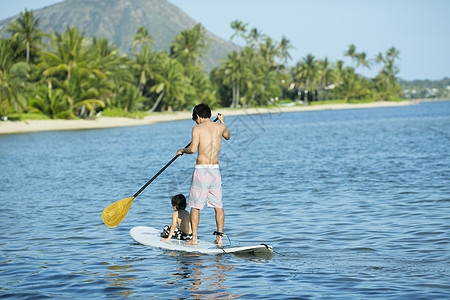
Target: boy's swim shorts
{"points": [[206, 187]]}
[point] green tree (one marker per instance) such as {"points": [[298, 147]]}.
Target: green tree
{"points": [[202, 89], [260, 81], [49, 102], [349, 83], [386, 82], [128, 98], [283, 50], [239, 28], [359, 59], [8, 96], [70, 66], [190, 45], [170, 84], [142, 38], [326, 73], [306, 75], [269, 51], [233, 69], [24, 30], [114, 72], [351, 52], [145, 62], [253, 37], [362, 60]]}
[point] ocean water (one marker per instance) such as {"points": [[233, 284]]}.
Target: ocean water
{"points": [[356, 204]]}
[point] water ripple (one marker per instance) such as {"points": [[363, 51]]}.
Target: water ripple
{"points": [[356, 204]]}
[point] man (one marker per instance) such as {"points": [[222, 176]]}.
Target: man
{"points": [[206, 186]]}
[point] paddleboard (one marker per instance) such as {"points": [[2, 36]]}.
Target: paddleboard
{"points": [[149, 236]]}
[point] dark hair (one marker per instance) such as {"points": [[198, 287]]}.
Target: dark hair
{"points": [[179, 201], [202, 110]]}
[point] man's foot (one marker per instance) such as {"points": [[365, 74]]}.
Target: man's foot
{"points": [[191, 242], [219, 236]]}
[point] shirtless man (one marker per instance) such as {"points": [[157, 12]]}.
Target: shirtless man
{"points": [[206, 186]]}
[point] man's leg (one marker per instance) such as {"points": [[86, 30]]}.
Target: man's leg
{"points": [[220, 220], [195, 219]]}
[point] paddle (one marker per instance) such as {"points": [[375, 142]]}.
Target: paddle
{"points": [[116, 212]]}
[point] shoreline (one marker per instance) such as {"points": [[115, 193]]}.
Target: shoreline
{"points": [[16, 127]]}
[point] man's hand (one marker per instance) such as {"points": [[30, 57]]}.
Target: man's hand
{"points": [[220, 117], [180, 152]]}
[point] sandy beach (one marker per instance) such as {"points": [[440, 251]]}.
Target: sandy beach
{"points": [[13, 127]]}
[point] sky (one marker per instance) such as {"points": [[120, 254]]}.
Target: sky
{"points": [[419, 29]]}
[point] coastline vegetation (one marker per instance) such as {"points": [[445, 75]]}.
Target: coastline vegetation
{"points": [[67, 75]]}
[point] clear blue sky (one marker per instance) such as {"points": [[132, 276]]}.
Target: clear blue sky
{"points": [[325, 28]]}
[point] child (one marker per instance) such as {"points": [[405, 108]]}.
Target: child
{"points": [[180, 218]]}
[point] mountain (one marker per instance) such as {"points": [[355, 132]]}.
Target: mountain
{"points": [[118, 21]]}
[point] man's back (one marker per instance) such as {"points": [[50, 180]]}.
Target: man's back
{"points": [[210, 138]]}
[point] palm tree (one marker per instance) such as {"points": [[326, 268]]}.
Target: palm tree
{"points": [[306, 74], [49, 102], [386, 81], [338, 70], [142, 38], [362, 60], [170, 83], [233, 69], [393, 53], [239, 29], [71, 67], [190, 45], [128, 98], [325, 74], [116, 68], [351, 52], [145, 60], [254, 37], [202, 90], [349, 83], [8, 95], [283, 50], [109, 60], [379, 58], [68, 55], [269, 51], [25, 31], [13, 77]]}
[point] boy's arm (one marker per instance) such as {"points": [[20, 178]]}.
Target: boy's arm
{"points": [[192, 148], [172, 227]]}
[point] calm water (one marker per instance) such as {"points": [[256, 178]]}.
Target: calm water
{"points": [[355, 202]]}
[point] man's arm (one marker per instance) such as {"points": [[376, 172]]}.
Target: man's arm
{"points": [[192, 148], [226, 131]]}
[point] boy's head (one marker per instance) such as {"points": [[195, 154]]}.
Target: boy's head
{"points": [[179, 201], [202, 111]]}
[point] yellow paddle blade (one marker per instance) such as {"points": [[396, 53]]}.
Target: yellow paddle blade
{"points": [[116, 212]]}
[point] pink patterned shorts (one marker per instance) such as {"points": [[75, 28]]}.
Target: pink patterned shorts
{"points": [[206, 187]]}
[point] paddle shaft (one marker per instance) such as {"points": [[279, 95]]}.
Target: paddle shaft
{"points": [[162, 170]]}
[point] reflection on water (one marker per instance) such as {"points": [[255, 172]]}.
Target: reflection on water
{"points": [[121, 280], [204, 278]]}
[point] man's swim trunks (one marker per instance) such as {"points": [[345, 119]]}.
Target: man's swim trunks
{"points": [[206, 187]]}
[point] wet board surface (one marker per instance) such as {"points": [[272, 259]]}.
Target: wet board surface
{"points": [[149, 236]]}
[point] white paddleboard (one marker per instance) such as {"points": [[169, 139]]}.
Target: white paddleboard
{"points": [[149, 236]]}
